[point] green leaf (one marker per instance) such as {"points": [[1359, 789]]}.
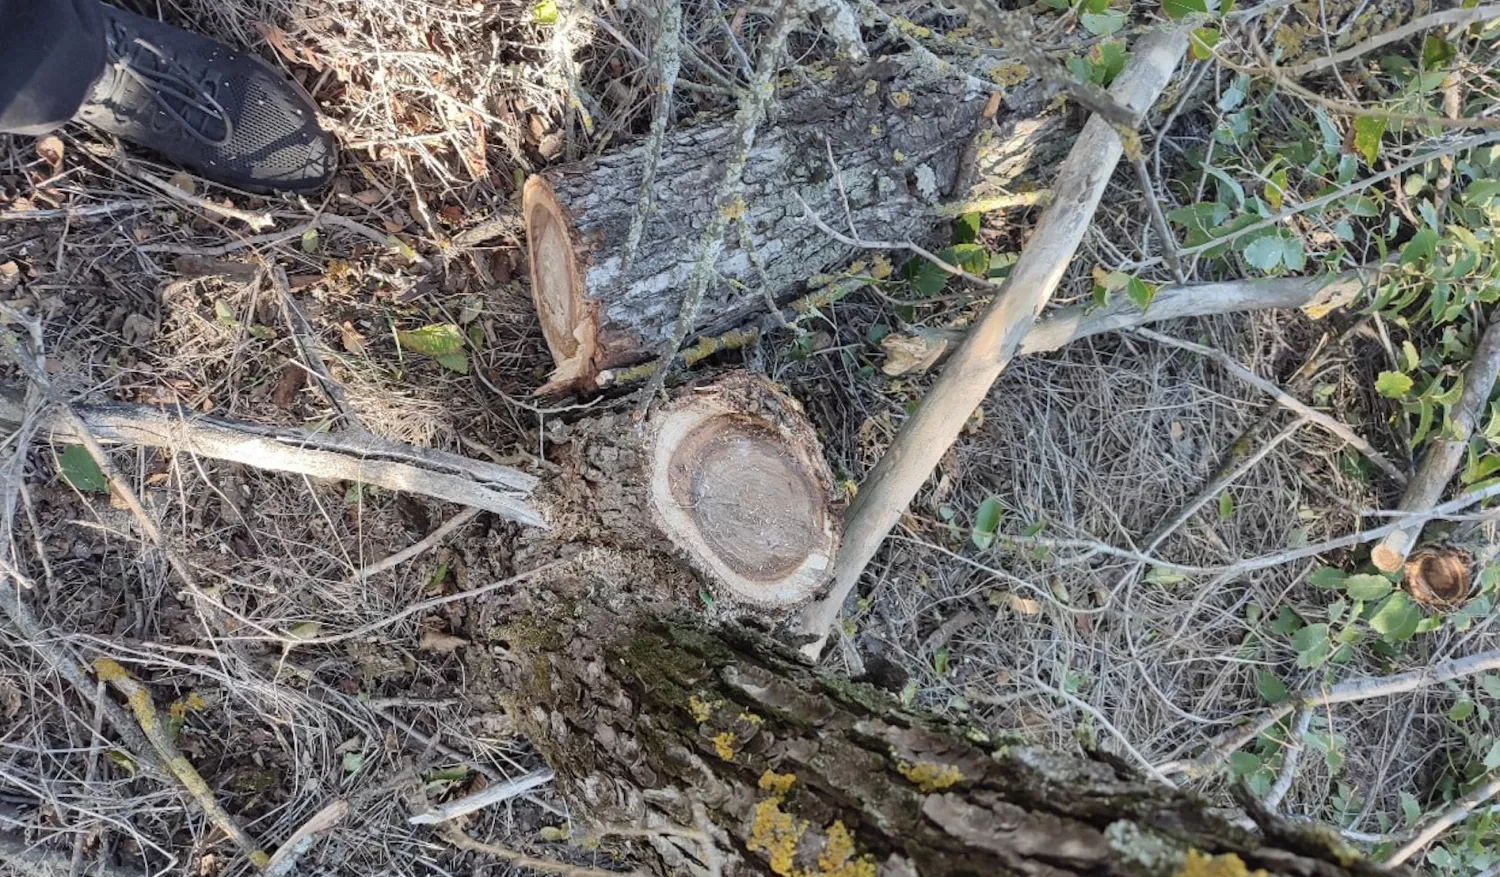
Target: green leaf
{"points": [[1367, 587], [927, 279], [1316, 656], [353, 761], [1491, 685], [1276, 189], [544, 13], [79, 469], [224, 313], [1367, 133], [1264, 252], [1244, 763], [1492, 758], [1176, 9], [1104, 23], [1271, 688], [1140, 292], [1461, 710], [304, 630], [1411, 811], [1396, 620], [454, 362], [1310, 636], [1422, 246], [310, 240], [1436, 51], [1226, 506], [1393, 385], [436, 340], [1108, 59], [986, 522], [1202, 43], [1326, 577], [940, 661], [966, 228]]}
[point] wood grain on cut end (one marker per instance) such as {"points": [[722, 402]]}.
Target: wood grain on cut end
{"points": [[744, 493], [1389, 558], [557, 287], [1440, 577]]}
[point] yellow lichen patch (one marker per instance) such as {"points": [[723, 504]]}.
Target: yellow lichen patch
{"points": [[838, 858], [109, 670], [1009, 73], [702, 709], [899, 156], [777, 784], [874, 130], [751, 719], [871, 86], [776, 832], [1201, 864], [929, 776], [901, 99], [881, 269], [195, 701], [724, 745]]}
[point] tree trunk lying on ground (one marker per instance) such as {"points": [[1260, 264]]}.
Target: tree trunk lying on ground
{"points": [[733, 758], [889, 144]]}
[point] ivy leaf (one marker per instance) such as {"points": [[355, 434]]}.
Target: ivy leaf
{"points": [[1264, 252], [1326, 577], [966, 228], [1312, 645], [1367, 133], [1393, 385], [986, 522], [1176, 9], [1102, 24], [438, 339], [1367, 587], [1461, 710], [1244, 763], [1410, 809], [79, 469]]}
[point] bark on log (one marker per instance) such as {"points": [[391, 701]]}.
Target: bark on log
{"points": [[734, 758], [891, 140], [729, 476]]}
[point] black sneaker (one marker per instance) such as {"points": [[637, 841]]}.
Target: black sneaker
{"points": [[220, 112]]}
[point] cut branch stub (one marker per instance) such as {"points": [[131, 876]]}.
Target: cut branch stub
{"points": [[1440, 577], [568, 320], [739, 486]]}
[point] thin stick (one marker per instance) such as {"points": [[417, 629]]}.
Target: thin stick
{"points": [[1416, 25], [1289, 759], [489, 796], [1108, 726], [256, 221], [413, 609], [90, 767], [666, 57], [754, 104], [1159, 221], [304, 337], [1455, 814], [1446, 451], [139, 699], [436, 536], [996, 337], [1286, 400]]}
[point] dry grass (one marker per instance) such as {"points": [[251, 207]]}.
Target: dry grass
{"points": [[441, 104]]}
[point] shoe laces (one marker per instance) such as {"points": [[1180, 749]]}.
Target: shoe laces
{"points": [[166, 80]]}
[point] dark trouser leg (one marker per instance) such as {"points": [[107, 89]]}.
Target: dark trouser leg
{"points": [[51, 51]]}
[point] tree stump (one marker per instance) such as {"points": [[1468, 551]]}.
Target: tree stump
{"points": [[879, 149], [728, 476]]}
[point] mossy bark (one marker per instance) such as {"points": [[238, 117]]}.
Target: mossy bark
{"points": [[734, 758]]}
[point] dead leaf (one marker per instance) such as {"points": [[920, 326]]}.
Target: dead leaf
{"points": [[1016, 603], [911, 354], [353, 341], [293, 379], [10, 276], [370, 197], [51, 150], [477, 158], [184, 181], [444, 643], [138, 329]]}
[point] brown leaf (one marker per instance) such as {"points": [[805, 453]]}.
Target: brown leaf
{"points": [[50, 149], [185, 181], [138, 329], [10, 276], [353, 341], [911, 354], [444, 643], [293, 379]]}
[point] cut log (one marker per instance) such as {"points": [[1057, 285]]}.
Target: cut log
{"points": [[888, 144], [729, 477], [730, 757]]}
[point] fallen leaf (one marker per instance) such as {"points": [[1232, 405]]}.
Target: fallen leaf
{"points": [[138, 329], [353, 341], [10, 276], [911, 354], [370, 197], [444, 643], [184, 181], [51, 150], [293, 379]]}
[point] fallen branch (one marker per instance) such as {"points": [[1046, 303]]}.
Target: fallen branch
{"points": [[448, 528], [1332, 425], [1445, 451], [139, 699], [1415, 26], [458, 838], [489, 796], [342, 457], [997, 336], [1453, 815], [1344, 692]]}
